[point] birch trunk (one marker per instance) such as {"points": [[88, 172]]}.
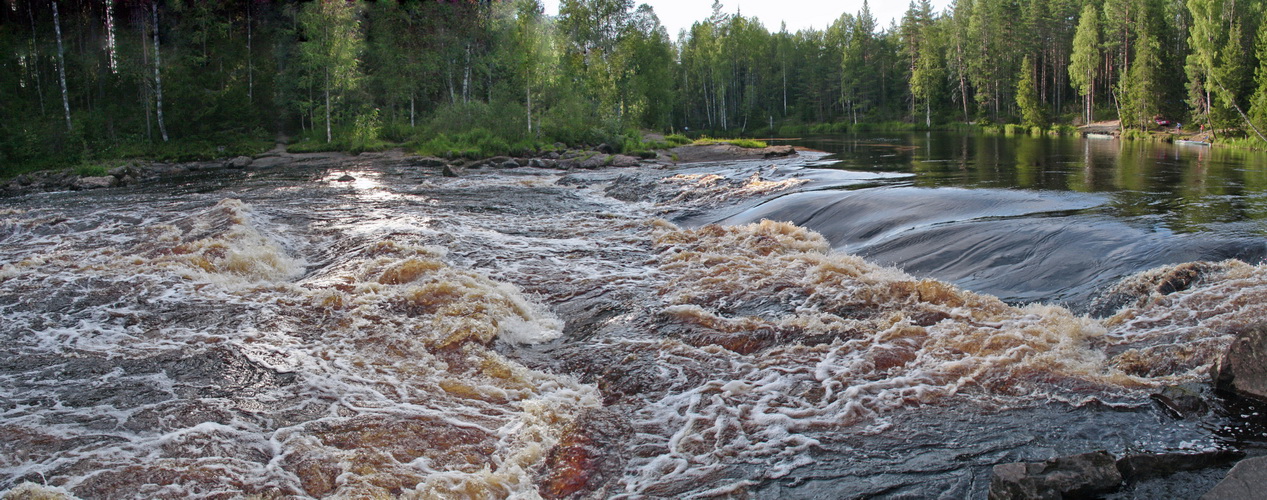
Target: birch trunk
{"points": [[35, 61], [158, 78], [61, 65], [329, 137], [250, 67]]}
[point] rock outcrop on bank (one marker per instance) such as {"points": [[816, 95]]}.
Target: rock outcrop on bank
{"points": [[725, 152]]}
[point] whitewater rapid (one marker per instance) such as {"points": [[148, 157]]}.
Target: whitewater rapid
{"points": [[523, 333]]}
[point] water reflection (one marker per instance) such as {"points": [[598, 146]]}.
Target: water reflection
{"points": [[1186, 189]]}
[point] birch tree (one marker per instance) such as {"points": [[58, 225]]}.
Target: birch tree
{"points": [[158, 76], [1086, 59], [61, 65], [330, 52]]}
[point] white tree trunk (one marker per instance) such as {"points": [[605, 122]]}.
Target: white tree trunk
{"points": [[411, 110], [329, 137], [35, 52], [528, 93], [250, 67], [61, 65], [158, 78]]}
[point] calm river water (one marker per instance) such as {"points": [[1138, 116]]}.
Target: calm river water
{"points": [[888, 321]]}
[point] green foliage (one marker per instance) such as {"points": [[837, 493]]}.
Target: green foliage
{"points": [[1086, 56], [677, 139], [1140, 89], [472, 78], [91, 170], [1258, 102], [1027, 97]]}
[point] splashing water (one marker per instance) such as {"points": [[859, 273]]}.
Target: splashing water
{"points": [[524, 334]]}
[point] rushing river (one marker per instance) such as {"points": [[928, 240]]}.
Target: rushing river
{"points": [[369, 327]]}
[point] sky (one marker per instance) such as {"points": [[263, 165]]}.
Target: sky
{"points": [[799, 14]]}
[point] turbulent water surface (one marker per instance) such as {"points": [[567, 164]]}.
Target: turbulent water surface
{"points": [[527, 332]]}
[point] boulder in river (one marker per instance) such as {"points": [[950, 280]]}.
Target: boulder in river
{"points": [[449, 171], [104, 181], [1151, 465], [1243, 368], [1183, 401], [239, 162], [1076, 476], [1246, 481]]}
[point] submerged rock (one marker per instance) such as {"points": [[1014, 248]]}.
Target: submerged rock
{"points": [[1082, 475], [1247, 480], [1182, 401], [1243, 368], [1152, 465]]}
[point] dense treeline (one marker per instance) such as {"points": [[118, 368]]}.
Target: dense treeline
{"points": [[93, 79]]}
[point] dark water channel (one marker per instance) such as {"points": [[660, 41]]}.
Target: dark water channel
{"points": [[1033, 219]]}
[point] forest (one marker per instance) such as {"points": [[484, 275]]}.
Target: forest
{"points": [[93, 80]]}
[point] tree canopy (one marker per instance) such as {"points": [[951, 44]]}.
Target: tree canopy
{"points": [[89, 79]]}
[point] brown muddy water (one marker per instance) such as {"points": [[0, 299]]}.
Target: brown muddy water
{"points": [[534, 333]]}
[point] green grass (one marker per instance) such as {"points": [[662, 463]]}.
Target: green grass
{"points": [[1251, 143], [743, 143], [91, 170], [678, 139]]}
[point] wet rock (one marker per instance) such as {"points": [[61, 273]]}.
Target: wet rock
{"points": [[271, 161], [104, 181], [1152, 465], [551, 156], [123, 171], [778, 151], [1076, 476], [449, 171], [429, 162], [1138, 289], [595, 161], [589, 456], [345, 178], [239, 162], [1182, 401], [1246, 481], [623, 161], [541, 163], [509, 164], [1243, 368]]}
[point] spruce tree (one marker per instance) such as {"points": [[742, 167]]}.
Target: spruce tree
{"points": [[1027, 96]]}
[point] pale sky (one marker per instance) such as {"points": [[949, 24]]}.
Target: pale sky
{"points": [[799, 14]]}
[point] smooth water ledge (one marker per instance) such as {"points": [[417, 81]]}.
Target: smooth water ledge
{"points": [[849, 219]]}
